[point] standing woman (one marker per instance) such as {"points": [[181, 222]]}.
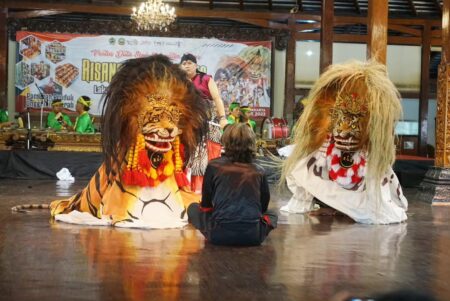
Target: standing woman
{"points": [[210, 93]]}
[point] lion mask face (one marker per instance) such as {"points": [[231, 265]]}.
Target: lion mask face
{"points": [[158, 122], [349, 118]]}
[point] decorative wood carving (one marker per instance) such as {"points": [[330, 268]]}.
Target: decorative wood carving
{"points": [[281, 41], [443, 117], [235, 32]]}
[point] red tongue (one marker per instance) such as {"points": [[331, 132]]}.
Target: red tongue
{"points": [[161, 144]]}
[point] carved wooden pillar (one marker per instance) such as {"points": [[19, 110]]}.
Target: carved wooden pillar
{"points": [[3, 56], [443, 116], [289, 98], [326, 34], [377, 30], [435, 187]]}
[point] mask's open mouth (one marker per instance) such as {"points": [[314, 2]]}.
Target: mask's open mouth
{"points": [[346, 143], [155, 143]]}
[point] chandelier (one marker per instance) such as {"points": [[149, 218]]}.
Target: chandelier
{"points": [[153, 14]]}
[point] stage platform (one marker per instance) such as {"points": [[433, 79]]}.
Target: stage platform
{"points": [[33, 165], [41, 165]]}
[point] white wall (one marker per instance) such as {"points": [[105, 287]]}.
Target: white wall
{"points": [[343, 52], [307, 62], [279, 80], [403, 62]]}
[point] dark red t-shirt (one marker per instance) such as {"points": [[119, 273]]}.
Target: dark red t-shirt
{"points": [[201, 82]]}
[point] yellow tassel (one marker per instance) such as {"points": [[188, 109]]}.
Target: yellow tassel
{"points": [[130, 157], [178, 161], [153, 174], [168, 169], [139, 145]]}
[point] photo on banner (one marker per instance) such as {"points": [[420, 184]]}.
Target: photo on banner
{"points": [[66, 66]]}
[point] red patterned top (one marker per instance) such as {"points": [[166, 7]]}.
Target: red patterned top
{"points": [[201, 83]]}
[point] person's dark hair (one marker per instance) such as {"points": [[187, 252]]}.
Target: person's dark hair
{"points": [[239, 142], [188, 57]]}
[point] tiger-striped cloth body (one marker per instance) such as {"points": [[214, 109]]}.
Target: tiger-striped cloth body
{"points": [[113, 203]]}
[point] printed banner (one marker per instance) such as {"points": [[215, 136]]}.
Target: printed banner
{"points": [[67, 66]]}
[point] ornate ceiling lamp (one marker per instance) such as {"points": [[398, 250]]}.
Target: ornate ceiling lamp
{"points": [[153, 14]]}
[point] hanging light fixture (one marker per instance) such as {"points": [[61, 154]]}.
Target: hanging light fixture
{"points": [[153, 14]]}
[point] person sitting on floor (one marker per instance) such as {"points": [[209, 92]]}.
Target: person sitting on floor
{"points": [[245, 117], [83, 124], [56, 119], [235, 113], [235, 195]]}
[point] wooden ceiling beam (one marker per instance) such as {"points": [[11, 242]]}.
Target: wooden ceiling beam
{"points": [[303, 16], [354, 38], [350, 20], [404, 29], [262, 23], [307, 26], [35, 13], [436, 33], [400, 21]]}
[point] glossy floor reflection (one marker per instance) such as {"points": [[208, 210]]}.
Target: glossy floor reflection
{"points": [[306, 258]]}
